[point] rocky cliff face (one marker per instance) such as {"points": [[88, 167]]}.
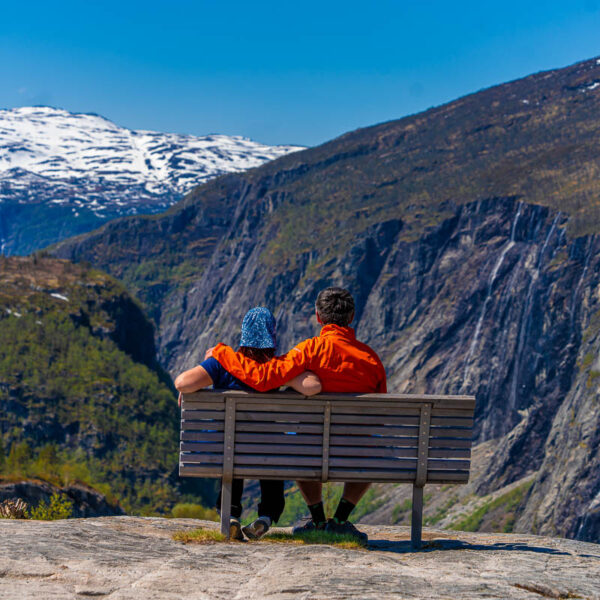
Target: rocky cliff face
{"points": [[467, 235]]}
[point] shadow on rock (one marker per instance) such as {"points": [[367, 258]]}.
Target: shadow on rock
{"points": [[404, 546]]}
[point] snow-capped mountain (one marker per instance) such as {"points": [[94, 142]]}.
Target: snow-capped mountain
{"points": [[90, 169]]}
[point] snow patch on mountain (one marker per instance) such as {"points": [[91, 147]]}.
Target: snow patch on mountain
{"points": [[87, 161]]}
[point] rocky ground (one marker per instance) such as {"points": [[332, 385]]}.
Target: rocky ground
{"points": [[134, 558]]}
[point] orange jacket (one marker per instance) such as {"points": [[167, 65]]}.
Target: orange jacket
{"points": [[342, 363]]}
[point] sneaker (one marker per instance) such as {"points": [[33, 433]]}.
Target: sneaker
{"points": [[235, 530], [346, 528], [307, 526], [256, 530]]}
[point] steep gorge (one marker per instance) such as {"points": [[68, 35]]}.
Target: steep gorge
{"points": [[468, 236]]}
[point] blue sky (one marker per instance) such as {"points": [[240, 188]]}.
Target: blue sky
{"points": [[278, 71]]}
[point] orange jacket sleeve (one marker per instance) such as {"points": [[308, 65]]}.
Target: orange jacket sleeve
{"points": [[263, 376]]}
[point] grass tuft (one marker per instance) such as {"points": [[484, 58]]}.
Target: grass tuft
{"points": [[198, 536], [348, 542], [211, 536]]}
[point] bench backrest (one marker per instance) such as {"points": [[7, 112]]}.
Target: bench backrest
{"points": [[330, 437]]}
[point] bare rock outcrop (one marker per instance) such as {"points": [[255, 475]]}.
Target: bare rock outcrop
{"points": [[87, 502], [134, 558]]}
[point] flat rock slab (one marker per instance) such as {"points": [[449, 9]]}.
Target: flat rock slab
{"points": [[136, 558]]}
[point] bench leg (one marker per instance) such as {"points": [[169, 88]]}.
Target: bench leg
{"points": [[416, 522], [225, 507]]}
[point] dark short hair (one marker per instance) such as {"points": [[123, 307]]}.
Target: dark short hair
{"points": [[335, 305], [260, 355]]}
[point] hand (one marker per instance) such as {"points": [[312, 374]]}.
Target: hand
{"points": [[179, 399], [208, 353]]}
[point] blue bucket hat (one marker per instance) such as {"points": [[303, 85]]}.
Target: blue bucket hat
{"points": [[258, 329]]}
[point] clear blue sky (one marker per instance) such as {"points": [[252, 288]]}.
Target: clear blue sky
{"points": [[278, 71]]}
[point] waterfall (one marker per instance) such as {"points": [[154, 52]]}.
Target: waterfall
{"points": [[580, 282], [526, 318], [490, 286]]}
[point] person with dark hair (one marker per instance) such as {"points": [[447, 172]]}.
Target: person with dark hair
{"points": [[258, 343], [343, 364]]}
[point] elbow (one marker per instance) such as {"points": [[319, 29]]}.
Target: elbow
{"points": [[180, 384], [312, 388]]}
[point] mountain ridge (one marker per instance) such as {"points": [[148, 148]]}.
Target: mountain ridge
{"points": [[84, 168]]}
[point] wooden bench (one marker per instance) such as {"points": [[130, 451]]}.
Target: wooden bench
{"points": [[391, 438]]}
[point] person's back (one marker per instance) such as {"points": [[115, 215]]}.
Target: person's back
{"points": [[342, 363]]}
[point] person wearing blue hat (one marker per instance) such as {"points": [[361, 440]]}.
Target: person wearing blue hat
{"points": [[258, 342]]}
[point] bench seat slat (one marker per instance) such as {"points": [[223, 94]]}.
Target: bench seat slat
{"points": [[443, 401], [370, 429], [201, 436], [202, 425], [277, 438], [310, 450], [191, 415], [273, 472], [435, 432], [437, 476], [380, 420], [466, 413], [264, 406], [339, 451], [198, 457], [448, 464], [384, 420], [433, 476], [279, 416], [339, 474], [451, 422], [450, 443], [315, 450], [397, 463], [202, 404], [356, 403], [372, 441], [247, 426], [374, 463], [450, 453], [375, 409], [406, 442], [200, 447], [400, 452], [278, 460], [187, 470], [441, 432]]}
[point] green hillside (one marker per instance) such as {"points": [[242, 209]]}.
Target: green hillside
{"points": [[77, 400]]}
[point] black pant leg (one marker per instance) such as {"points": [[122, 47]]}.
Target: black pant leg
{"points": [[272, 499], [237, 489]]}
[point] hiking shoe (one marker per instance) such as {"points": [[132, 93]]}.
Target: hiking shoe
{"points": [[307, 526], [346, 528], [256, 530], [235, 530]]}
